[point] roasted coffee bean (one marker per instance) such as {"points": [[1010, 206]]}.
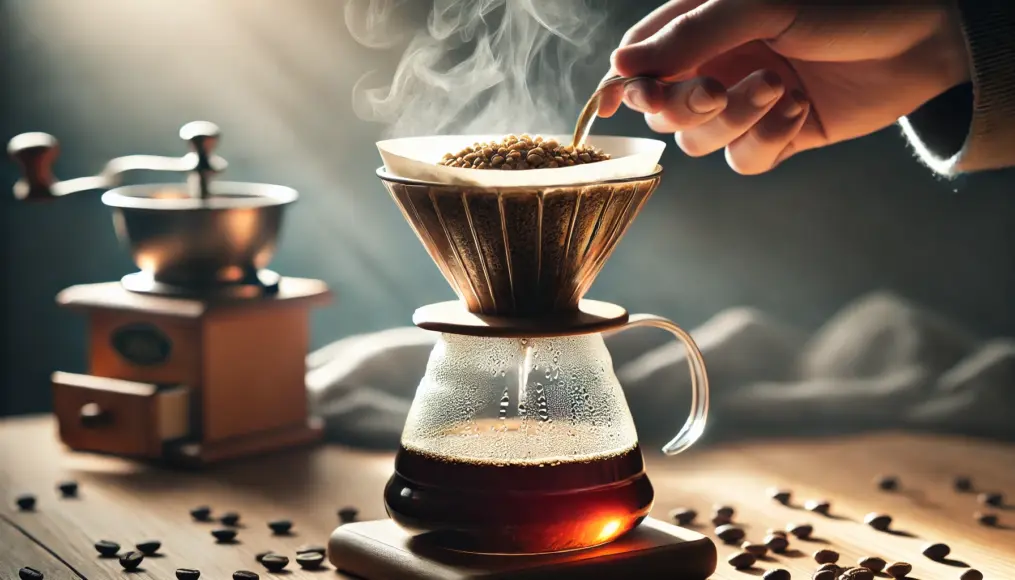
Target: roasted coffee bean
{"points": [[720, 520], [187, 574], [27, 573], [347, 514], [962, 484], [68, 488], [230, 519], [880, 522], [774, 532], [780, 495], [826, 556], [522, 152], [201, 513], [723, 510], [756, 550], [245, 575], [819, 506], [802, 531], [309, 560], [307, 548], [937, 551], [741, 560], [872, 563], [888, 483], [275, 562], [223, 535], [993, 499], [730, 534], [970, 574], [777, 574], [280, 527], [25, 502], [148, 547], [106, 548], [260, 555], [777, 544], [683, 516], [830, 566], [825, 575], [131, 560], [986, 519], [857, 574], [899, 569]]}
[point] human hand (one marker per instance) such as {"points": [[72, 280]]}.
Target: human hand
{"points": [[766, 79]]}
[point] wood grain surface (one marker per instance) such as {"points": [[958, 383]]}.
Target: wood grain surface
{"points": [[128, 502]]}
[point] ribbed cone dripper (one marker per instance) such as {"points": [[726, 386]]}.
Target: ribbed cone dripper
{"points": [[520, 251]]}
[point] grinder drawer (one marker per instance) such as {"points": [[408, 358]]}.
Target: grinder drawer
{"points": [[117, 416]]}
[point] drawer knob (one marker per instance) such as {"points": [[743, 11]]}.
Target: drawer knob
{"points": [[92, 416]]}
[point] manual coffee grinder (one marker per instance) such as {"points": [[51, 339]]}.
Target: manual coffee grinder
{"points": [[519, 457], [200, 355]]}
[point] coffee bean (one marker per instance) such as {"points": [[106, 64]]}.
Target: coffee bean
{"points": [[830, 566], [149, 547], [777, 544], [819, 506], [683, 516], [131, 560], [986, 519], [720, 520], [967, 575], [802, 531], [201, 514], [260, 555], [280, 527], [780, 495], [777, 574], [824, 575], [857, 574], [230, 519], [880, 522], [937, 551], [309, 560], [106, 548], [723, 510], [347, 514], [756, 550], [826, 556], [887, 483], [27, 573], [245, 575], [774, 532], [275, 562], [872, 563], [730, 534], [307, 548], [25, 502], [187, 574], [224, 535], [741, 560], [993, 499], [962, 484], [899, 569], [68, 488]]}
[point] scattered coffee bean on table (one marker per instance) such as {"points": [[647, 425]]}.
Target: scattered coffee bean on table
{"points": [[68, 488], [280, 527], [347, 514], [223, 535], [819, 506], [825, 575], [962, 484], [888, 483], [201, 513], [777, 544], [307, 548], [106, 548], [880, 522], [872, 563], [25, 502], [937, 551], [275, 562], [774, 532], [860, 573], [27, 573], [148, 547], [826, 556], [986, 519], [730, 534], [230, 518], [970, 574], [724, 510], [899, 569], [741, 560], [720, 520], [830, 566], [777, 574], [780, 495], [802, 531], [260, 555], [245, 575], [131, 560], [187, 574], [993, 499], [683, 516], [309, 560], [756, 550]]}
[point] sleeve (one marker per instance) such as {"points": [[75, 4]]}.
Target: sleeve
{"points": [[972, 127]]}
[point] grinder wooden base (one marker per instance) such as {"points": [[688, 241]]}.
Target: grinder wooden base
{"points": [[380, 550]]}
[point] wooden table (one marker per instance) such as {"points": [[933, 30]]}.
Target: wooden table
{"points": [[128, 502]]}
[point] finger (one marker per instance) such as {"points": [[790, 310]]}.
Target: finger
{"points": [[696, 37], [610, 100], [760, 148], [658, 18], [748, 101], [688, 105]]}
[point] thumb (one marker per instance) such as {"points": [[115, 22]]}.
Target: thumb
{"points": [[692, 39]]}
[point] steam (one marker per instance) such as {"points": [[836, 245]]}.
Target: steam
{"points": [[477, 66]]}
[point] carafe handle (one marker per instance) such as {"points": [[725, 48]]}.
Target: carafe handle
{"points": [[695, 424]]}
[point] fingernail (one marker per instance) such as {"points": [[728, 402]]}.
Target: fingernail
{"points": [[794, 105], [701, 101], [767, 91], [636, 97]]}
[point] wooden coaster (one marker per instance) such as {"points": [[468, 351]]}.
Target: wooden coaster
{"points": [[380, 550]]}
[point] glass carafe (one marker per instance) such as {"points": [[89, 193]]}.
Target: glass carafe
{"points": [[527, 445]]}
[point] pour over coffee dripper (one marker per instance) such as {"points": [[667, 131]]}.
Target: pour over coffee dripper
{"points": [[519, 439]]}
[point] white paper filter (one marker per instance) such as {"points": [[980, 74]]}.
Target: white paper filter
{"points": [[416, 158]]}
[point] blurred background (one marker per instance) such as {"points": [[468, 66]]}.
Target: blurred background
{"points": [[924, 267]]}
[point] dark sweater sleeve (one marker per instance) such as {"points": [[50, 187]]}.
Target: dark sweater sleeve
{"points": [[972, 126]]}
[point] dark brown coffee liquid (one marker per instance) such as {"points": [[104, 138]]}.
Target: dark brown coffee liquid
{"points": [[522, 508]]}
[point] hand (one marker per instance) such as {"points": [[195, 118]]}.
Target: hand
{"points": [[766, 79]]}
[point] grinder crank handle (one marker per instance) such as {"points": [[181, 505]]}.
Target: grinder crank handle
{"points": [[695, 424]]}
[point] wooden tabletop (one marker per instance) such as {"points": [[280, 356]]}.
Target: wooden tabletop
{"points": [[129, 502]]}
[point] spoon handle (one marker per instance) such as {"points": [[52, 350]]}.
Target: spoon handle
{"points": [[591, 109]]}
